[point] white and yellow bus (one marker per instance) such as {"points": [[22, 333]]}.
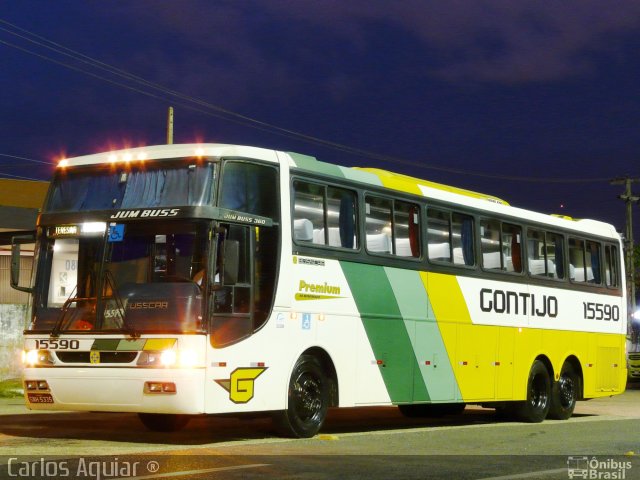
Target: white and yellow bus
{"points": [[180, 280]]}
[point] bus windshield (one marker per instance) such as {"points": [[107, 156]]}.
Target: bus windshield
{"points": [[148, 278], [132, 186]]}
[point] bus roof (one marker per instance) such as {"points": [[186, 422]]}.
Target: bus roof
{"points": [[372, 176]]}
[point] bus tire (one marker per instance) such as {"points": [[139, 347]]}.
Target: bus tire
{"points": [[308, 400], [164, 422], [536, 407], [564, 393]]}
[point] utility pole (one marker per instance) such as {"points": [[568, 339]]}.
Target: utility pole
{"points": [[170, 126], [629, 200]]}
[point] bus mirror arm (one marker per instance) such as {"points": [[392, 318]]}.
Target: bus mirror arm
{"points": [[15, 262], [231, 262]]}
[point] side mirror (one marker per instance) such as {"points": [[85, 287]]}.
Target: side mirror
{"points": [[231, 262], [15, 262]]}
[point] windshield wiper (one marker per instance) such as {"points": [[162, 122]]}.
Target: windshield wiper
{"points": [[124, 325], [60, 322]]}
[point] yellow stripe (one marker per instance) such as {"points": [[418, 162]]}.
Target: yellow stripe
{"points": [[159, 343], [405, 183], [493, 363]]}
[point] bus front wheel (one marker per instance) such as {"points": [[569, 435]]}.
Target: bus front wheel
{"points": [[536, 407], [564, 393], [308, 400], [163, 422]]}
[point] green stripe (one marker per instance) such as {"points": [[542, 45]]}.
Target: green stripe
{"points": [[384, 326], [105, 344], [414, 306], [437, 377], [360, 176], [131, 345], [306, 162]]}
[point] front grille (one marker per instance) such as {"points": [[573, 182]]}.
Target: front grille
{"points": [[634, 356], [105, 357]]}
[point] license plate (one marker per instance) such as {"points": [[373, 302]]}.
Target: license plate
{"points": [[39, 398]]}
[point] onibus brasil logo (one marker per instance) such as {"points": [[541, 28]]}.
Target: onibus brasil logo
{"points": [[240, 384]]}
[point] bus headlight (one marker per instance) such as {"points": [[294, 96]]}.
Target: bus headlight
{"points": [[31, 358], [168, 358]]}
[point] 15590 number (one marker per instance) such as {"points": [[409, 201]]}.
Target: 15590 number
{"points": [[601, 311], [57, 344]]}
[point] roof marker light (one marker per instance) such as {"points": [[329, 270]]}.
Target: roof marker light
{"points": [[63, 163], [199, 152], [113, 158], [142, 156], [127, 157]]}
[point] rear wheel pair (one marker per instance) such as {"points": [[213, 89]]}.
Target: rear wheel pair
{"points": [[544, 399]]}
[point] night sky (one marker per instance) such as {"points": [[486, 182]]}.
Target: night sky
{"points": [[535, 102]]}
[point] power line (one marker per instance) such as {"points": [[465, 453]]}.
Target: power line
{"points": [[26, 159], [210, 109]]}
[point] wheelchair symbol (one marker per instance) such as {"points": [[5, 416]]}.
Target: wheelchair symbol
{"points": [[116, 233]]}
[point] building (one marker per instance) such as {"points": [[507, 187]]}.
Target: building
{"points": [[20, 202]]}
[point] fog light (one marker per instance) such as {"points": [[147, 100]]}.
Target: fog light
{"points": [[160, 387], [31, 384], [169, 387]]}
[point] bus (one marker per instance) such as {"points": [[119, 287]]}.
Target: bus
{"points": [[181, 280]]}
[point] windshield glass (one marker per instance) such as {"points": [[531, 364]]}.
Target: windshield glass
{"points": [[140, 278], [131, 186]]}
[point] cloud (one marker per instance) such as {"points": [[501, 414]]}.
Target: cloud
{"points": [[273, 48]]}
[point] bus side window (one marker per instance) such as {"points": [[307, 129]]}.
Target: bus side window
{"points": [[592, 258], [438, 235], [555, 255], [512, 247], [490, 244], [341, 218], [577, 270], [406, 229], [462, 239], [536, 253], [324, 215], [308, 213], [250, 188], [611, 266], [378, 224]]}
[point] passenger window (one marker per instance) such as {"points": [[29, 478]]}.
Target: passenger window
{"points": [[592, 257], [612, 273], [406, 229], [512, 247], [324, 215], [555, 254], [308, 212], [542, 251], [490, 245], [577, 270], [450, 237], [378, 225], [501, 246]]}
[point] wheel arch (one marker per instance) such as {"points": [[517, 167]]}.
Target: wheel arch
{"points": [[577, 367], [330, 371], [547, 363]]}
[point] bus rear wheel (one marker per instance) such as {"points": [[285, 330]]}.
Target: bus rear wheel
{"points": [[564, 393], [164, 422], [308, 400], [536, 407]]}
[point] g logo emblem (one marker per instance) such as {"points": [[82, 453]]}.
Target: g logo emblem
{"points": [[241, 383]]}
